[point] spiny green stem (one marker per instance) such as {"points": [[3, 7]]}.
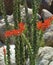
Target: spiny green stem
{"points": [[17, 51], [22, 52], [27, 21], [18, 40], [27, 42], [5, 59], [17, 43], [7, 42], [34, 30], [29, 48], [7, 28]]}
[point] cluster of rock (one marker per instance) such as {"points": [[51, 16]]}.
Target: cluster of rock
{"points": [[46, 11], [48, 36], [45, 54]]}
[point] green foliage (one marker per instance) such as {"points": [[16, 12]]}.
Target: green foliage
{"points": [[29, 42]]}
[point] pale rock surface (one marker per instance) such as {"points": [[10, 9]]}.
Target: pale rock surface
{"points": [[45, 56], [1, 57], [48, 36], [12, 55], [46, 14], [51, 63]]}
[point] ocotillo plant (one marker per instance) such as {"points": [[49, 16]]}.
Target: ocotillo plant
{"points": [[7, 28], [32, 27], [28, 25], [30, 40], [17, 42], [34, 31], [19, 46]]}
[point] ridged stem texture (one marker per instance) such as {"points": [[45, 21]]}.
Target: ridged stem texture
{"points": [[19, 44], [7, 28], [34, 30]]}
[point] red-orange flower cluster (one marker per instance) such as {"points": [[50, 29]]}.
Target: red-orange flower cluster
{"points": [[15, 32], [43, 25], [4, 50], [21, 26]]}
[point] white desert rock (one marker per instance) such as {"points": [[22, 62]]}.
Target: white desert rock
{"points": [[45, 56], [46, 14]]}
